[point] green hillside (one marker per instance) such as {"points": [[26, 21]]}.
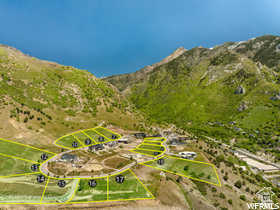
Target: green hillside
{"points": [[202, 86], [42, 97]]}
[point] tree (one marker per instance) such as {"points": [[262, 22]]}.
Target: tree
{"points": [[225, 178], [230, 201], [238, 184], [186, 167], [214, 189], [243, 197], [222, 195], [25, 120], [247, 189], [243, 183]]}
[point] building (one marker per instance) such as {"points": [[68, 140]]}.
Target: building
{"points": [[188, 155], [95, 148], [124, 140], [69, 158], [175, 142], [139, 135], [111, 144]]}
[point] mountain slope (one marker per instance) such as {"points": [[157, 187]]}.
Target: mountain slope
{"points": [[125, 81], [60, 98], [203, 85]]}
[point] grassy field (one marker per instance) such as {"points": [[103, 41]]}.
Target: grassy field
{"points": [[94, 135], [67, 142], [200, 171], [145, 152], [21, 151], [12, 166], [82, 137], [199, 157], [106, 133], [129, 189], [56, 194], [21, 189], [86, 193], [151, 142], [150, 147]]}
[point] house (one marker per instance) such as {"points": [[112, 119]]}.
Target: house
{"points": [[69, 158], [265, 195], [139, 135], [96, 147], [175, 142], [157, 135], [124, 140], [188, 155], [111, 144]]}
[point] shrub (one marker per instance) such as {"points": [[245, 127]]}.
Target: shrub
{"points": [[243, 197], [214, 189], [238, 184], [186, 167], [230, 201], [226, 178]]}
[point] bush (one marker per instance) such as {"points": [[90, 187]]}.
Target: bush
{"points": [[43, 123], [214, 189], [238, 184], [230, 201], [186, 167], [225, 178], [29, 127], [243, 197], [222, 195]]}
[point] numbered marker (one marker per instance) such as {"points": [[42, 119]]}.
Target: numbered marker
{"points": [[44, 157], [156, 153], [92, 183], [61, 183], [75, 144], [34, 167], [101, 139], [119, 179], [162, 148], [87, 141], [40, 178], [160, 161], [114, 136]]}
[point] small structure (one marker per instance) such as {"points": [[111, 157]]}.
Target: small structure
{"points": [[111, 144], [124, 140], [69, 158], [96, 147], [188, 155], [175, 142], [139, 135]]}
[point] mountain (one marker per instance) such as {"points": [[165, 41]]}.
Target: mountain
{"points": [[231, 82], [125, 81], [38, 97]]}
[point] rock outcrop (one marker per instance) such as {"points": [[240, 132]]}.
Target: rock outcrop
{"points": [[240, 90]]}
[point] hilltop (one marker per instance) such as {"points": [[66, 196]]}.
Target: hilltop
{"points": [[232, 82]]}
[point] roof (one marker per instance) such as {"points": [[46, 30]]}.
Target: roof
{"points": [[96, 146], [68, 156]]}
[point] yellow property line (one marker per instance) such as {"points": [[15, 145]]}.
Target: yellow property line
{"points": [[55, 142], [20, 174], [74, 191], [144, 153], [45, 190], [144, 163], [27, 146], [107, 188], [19, 158], [108, 130], [78, 140], [89, 137], [141, 183], [101, 135]]}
